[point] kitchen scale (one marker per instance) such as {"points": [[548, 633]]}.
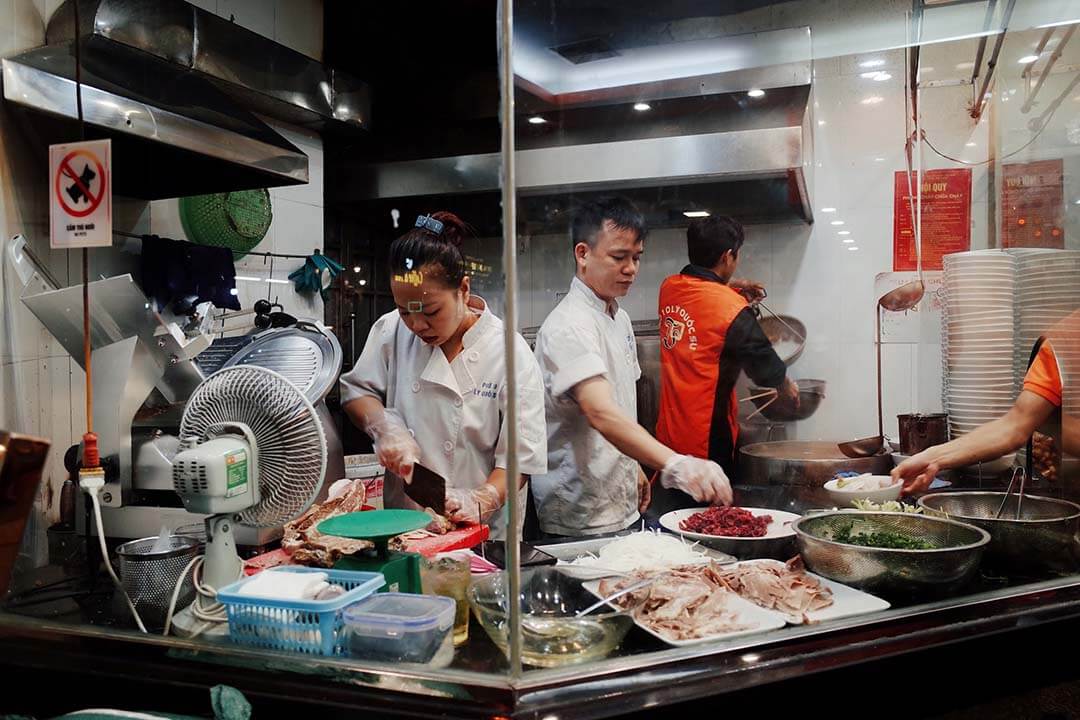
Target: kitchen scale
{"points": [[401, 570]]}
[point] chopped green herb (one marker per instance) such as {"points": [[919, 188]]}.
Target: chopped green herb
{"points": [[880, 539]]}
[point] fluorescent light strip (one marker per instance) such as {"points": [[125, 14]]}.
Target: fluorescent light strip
{"points": [[696, 213]]}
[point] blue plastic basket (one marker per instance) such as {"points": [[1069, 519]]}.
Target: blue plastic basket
{"points": [[312, 627]]}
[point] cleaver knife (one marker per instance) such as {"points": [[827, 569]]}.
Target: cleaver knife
{"points": [[427, 489]]}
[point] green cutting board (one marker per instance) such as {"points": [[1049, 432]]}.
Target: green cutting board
{"points": [[374, 524]]}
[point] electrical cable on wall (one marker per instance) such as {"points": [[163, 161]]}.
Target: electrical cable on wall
{"points": [[91, 474]]}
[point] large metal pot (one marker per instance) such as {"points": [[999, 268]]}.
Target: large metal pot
{"points": [[919, 431], [811, 463], [1045, 538], [789, 475]]}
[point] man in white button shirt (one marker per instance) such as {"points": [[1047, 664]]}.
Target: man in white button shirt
{"points": [[588, 358]]}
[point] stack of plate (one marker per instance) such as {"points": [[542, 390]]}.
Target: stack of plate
{"points": [[1048, 290], [978, 337]]}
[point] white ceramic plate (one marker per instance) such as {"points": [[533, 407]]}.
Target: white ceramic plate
{"points": [[757, 619], [779, 527], [847, 601]]}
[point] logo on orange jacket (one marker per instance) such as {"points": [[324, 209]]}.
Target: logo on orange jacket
{"points": [[673, 332]]}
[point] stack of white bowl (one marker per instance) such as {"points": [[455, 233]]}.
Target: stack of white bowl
{"points": [[978, 337], [1048, 289]]}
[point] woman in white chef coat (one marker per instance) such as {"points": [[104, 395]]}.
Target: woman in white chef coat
{"points": [[430, 384]]}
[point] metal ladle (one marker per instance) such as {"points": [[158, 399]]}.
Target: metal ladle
{"points": [[900, 299]]}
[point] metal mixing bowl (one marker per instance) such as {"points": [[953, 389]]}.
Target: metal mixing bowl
{"points": [[778, 328], [958, 547], [811, 393], [1045, 538]]}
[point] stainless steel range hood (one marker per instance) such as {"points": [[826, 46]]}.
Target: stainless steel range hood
{"points": [[705, 144], [176, 89]]}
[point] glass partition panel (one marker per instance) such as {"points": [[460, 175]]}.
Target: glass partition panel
{"points": [[712, 203]]}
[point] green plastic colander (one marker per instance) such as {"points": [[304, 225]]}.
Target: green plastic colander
{"points": [[234, 220]]}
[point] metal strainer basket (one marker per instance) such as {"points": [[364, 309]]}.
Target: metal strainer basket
{"points": [[1040, 534], [150, 577], [953, 560]]}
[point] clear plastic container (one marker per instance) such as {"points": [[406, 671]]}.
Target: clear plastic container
{"points": [[401, 627], [449, 574]]}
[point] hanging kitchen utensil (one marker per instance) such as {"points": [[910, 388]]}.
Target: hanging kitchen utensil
{"points": [[235, 220], [910, 294], [875, 444]]}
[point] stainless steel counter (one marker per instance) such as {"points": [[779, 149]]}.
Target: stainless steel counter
{"points": [[644, 673]]}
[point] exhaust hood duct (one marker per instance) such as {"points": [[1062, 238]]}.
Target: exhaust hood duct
{"points": [[706, 143], [176, 89]]}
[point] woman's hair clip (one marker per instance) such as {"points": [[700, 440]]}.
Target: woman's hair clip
{"points": [[429, 223]]}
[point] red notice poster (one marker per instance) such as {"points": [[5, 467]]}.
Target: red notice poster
{"points": [[1033, 205], [946, 217]]}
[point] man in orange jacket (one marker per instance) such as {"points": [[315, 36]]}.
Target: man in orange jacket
{"points": [[708, 335]]}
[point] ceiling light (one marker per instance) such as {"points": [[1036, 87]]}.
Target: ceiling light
{"points": [[878, 75], [1078, 202], [853, 248], [828, 209], [755, 93], [537, 120], [965, 65], [837, 222], [277, 282], [849, 240], [876, 62], [843, 232], [820, 122], [872, 100], [246, 278], [970, 144], [879, 159], [232, 291], [362, 282], [642, 106], [696, 213], [1028, 59], [356, 269]]}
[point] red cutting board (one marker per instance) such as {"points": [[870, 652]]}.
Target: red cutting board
{"points": [[462, 538]]}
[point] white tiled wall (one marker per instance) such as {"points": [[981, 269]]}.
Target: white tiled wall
{"points": [[37, 377], [41, 387], [858, 144]]}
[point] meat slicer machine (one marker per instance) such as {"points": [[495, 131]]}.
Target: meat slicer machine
{"points": [[146, 364]]}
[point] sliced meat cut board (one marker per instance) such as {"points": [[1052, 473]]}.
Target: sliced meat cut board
{"points": [[746, 613], [847, 601]]}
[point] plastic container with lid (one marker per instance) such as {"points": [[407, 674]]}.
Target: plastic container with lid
{"points": [[401, 627]]}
